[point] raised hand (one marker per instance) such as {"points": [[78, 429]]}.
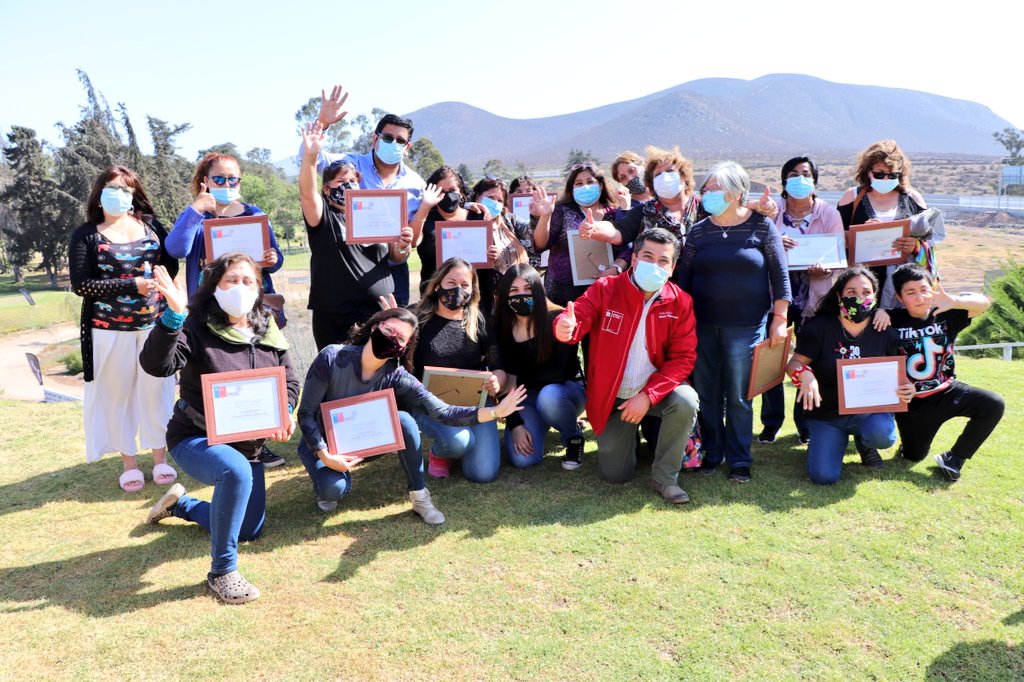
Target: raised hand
{"points": [[512, 402], [387, 303], [204, 201], [540, 203], [313, 138], [941, 300], [432, 195], [173, 292], [566, 324], [331, 106], [766, 206]]}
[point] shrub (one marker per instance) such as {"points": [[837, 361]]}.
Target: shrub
{"points": [[73, 361], [1004, 321]]}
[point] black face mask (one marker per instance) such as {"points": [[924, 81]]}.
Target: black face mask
{"points": [[521, 304], [636, 186], [450, 201], [857, 309], [385, 347], [453, 299], [337, 194]]}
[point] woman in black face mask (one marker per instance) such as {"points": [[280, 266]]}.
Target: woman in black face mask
{"points": [[549, 370], [378, 356], [446, 202], [844, 327]]}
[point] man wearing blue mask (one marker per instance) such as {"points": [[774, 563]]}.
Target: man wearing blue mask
{"points": [[642, 327], [380, 168]]}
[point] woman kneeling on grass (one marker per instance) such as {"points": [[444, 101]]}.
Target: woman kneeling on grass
{"points": [[228, 329], [378, 356]]}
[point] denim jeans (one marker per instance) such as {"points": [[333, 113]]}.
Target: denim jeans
{"points": [[773, 409], [476, 446], [724, 356], [555, 406], [239, 503], [830, 438], [328, 485]]}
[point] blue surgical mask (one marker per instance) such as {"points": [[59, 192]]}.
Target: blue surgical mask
{"points": [[225, 195], [650, 277], [115, 201], [389, 153], [799, 186], [493, 206], [714, 202], [884, 186], [585, 195]]}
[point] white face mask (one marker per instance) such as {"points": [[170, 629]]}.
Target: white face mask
{"points": [[236, 301], [668, 184]]}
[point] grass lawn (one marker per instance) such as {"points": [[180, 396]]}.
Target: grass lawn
{"points": [[545, 574]]}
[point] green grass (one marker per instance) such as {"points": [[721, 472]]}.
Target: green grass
{"points": [[544, 574], [52, 307]]}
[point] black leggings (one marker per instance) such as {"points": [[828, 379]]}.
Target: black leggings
{"points": [[333, 327], [921, 422]]}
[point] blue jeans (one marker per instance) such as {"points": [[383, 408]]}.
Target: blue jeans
{"points": [[773, 409], [477, 446], [328, 484], [555, 406], [724, 356], [400, 276], [239, 503], [830, 438]]}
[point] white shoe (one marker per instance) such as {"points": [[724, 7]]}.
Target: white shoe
{"points": [[327, 505], [162, 508], [422, 505]]}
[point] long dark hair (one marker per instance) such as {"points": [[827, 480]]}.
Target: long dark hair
{"points": [[359, 335], [141, 205], [569, 199], [472, 318], [539, 324], [445, 172], [205, 307], [828, 306]]}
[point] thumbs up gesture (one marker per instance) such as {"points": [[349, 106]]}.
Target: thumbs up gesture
{"points": [[766, 206], [587, 226], [204, 201], [566, 324]]}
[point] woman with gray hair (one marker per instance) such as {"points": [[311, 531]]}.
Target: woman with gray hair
{"points": [[734, 266]]}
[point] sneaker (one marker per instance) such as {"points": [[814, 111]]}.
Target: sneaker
{"points": [[870, 458], [767, 435], [670, 493], [422, 505], [706, 470], [269, 458], [950, 465], [804, 435], [573, 458], [232, 588], [437, 466], [165, 505], [740, 475], [902, 454], [327, 505]]}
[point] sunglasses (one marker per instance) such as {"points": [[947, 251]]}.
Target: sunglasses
{"points": [[125, 188], [230, 181], [586, 165], [389, 138], [882, 176], [339, 164]]}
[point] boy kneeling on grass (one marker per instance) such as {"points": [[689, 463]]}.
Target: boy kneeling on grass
{"points": [[927, 330]]}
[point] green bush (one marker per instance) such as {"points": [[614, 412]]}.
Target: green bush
{"points": [[73, 361], [1004, 321]]}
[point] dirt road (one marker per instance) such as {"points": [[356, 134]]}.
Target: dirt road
{"points": [[16, 378]]}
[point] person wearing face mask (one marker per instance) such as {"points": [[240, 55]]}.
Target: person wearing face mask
{"points": [[383, 167], [549, 371], [378, 356], [734, 266], [642, 326], [628, 171], [223, 328], [800, 212], [524, 185], [346, 280], [843, 327], [443, 200], [507, 232], [111, 257]]}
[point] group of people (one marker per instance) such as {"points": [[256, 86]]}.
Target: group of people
{"points": [[666, 333]]}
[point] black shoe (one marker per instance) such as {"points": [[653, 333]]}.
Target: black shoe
{"points": [[269, 459], [950, 465], [740, 475], [804, 435], [573, 458], [706, 470], [901, 453], [767, 435], [870, 458]]}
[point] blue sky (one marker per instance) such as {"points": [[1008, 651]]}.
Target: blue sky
{"points": [[238, 71]]}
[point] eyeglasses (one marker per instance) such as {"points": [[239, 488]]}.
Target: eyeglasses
{"points": [[231, 180], [124, 188], [389, 138], [586, 165], [877, 175]]}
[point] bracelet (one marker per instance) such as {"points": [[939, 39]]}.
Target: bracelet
{"points": [[784, 318], [494, 414], [172, 320], [794, 376]]}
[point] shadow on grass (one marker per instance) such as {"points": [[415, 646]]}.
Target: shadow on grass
{"points": [[1014, 618], [986, 660]]}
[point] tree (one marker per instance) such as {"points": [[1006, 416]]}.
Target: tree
{"points": [[226, 148], [495, 167], [425, 157], [1013, 140], [1003, 321], [167, 176], [366, 125], [467, 175], [338, 138], [578, 156]]}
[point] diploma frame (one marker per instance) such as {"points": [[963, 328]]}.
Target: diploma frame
{"points": [[840, 243], [521, 195], [211, 224], [352, 223], [768, 368], [456, 386], [901, 378], [871, 227], [213, 436], [440, 226], [582, 256], [388, 395]]}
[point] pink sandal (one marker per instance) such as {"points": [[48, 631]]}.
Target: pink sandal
{"points": [[164, 474], [131, 481]]}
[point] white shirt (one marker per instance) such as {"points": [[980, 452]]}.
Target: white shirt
{"points": [[638, 362]]}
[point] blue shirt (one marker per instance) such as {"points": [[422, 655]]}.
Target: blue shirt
{"points": [[407, 178]]}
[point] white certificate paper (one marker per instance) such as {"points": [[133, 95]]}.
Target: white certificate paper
{"points": [[245, 238], [826, 250], [244, 405], [871, 244], [521, 206], [363, 426], [379, 217], [467, 243], [869, 385]]}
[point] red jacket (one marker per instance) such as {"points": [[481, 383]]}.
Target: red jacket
{"points": [[610, 311]]}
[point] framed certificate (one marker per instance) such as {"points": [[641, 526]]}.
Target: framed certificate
{"points": [[826, 250], [871, 244], [521, 205], [769, 367], [588, 258], [869, 384], [363, 426], [375, 216], [465, 239], [462, 387], [246, 234], [244, 405]]}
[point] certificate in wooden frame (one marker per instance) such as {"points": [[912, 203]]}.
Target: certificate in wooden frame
{"points": [[210, 236], [443, 229], [357, 233], [901, 378], [586, 256], [330, 411], [520, 204], [219, 386], [768, 368], [462, 387], [895, 259]]}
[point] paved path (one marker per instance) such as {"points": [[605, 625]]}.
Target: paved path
{"points": [[16, 378]]}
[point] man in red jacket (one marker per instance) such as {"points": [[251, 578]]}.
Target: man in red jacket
{"points": [[643, 345]]}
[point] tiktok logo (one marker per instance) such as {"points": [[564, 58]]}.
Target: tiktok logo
{"points": [[923, 365]]}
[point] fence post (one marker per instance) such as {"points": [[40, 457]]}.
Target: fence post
{"points": [[1007, 353]]}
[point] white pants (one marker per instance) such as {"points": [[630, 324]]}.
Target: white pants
{"points": [[122, 401]]}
